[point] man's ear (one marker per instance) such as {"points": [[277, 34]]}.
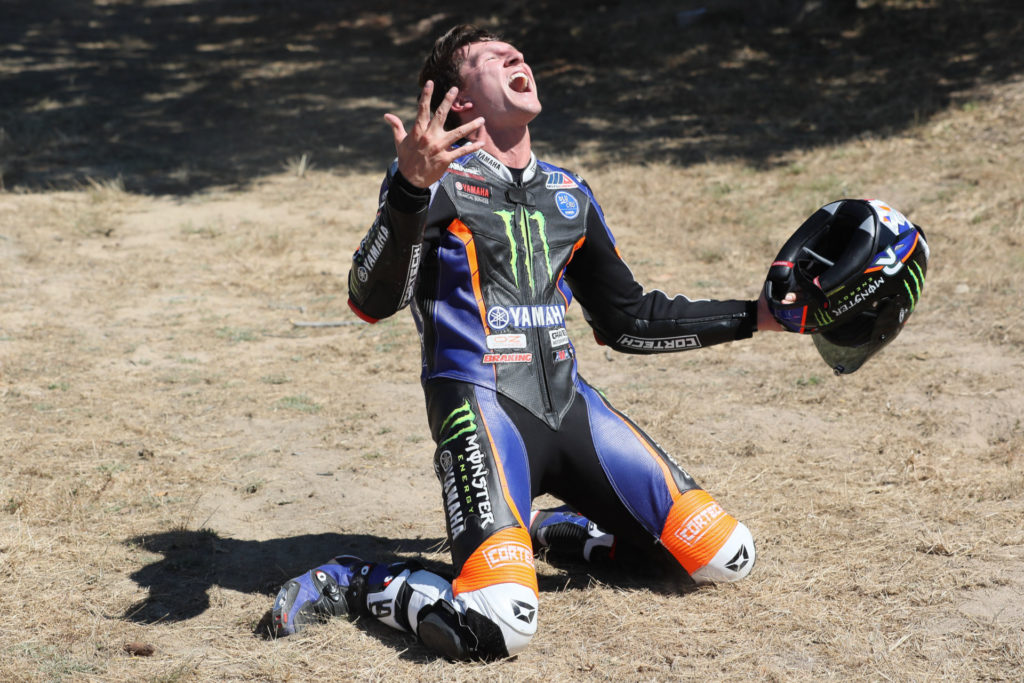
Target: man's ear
{"points": [[461, 104]]}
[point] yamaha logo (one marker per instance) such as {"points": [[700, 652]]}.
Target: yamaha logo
{"points": [[445, 461], [498, 318]]}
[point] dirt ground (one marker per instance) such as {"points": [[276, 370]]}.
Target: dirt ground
{"points": [[192, 415]]}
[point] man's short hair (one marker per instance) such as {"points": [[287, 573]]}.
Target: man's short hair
{"points": [[444, 61]]}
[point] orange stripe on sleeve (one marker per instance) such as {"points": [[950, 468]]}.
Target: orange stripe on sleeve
{"points": [[462, 231]]}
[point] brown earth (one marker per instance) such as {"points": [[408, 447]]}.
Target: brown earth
{"points": [[176, 440]]}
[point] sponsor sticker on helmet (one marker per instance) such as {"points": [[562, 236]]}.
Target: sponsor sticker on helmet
{"points": [[890, 217]]}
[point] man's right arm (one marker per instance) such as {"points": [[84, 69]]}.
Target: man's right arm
{"points": [[384, 268]]}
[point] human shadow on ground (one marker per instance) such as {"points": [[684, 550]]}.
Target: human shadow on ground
{"points": [[179, 97], [194, 561]]}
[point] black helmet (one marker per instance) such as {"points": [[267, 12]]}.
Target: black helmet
{"points": [[857, 268]]}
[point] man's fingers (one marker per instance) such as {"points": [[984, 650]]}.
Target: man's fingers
{"points": [[469, 148], [423, 109], [397, 128], [446, 106], [456, 134]]}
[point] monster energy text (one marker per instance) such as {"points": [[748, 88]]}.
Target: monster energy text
{"points": [[466, 489], [861, 294]]}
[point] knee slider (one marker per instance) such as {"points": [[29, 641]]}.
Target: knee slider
{"points": [[732, 562], [506, 613]]}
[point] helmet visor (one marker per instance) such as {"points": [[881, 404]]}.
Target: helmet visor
{"points": [[843, 359], [846, 348]]}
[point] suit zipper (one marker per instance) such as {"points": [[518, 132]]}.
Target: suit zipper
{"points": [[523, 219]]}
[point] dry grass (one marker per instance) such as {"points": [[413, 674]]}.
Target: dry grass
{"points": [[174, 447]]}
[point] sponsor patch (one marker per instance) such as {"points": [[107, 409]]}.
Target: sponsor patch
{"points": [[410, 276], [689, 341], [890, 217], [567, 204], [497, 342], [862, 293], [465, 466], [697, 524], [506, 554], [477, 193], [371, 251], [500, 317], [559, 180], [559, 355], [559, 337], [494, 164], [460, 170], [508, 358]]}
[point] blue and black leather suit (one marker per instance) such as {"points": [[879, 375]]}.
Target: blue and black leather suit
{"points": [[489, 259]]}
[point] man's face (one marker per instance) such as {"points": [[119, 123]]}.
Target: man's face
{"points": [[498, 85]]}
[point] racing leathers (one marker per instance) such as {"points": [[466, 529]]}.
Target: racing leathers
{"points": [[489, 259]]}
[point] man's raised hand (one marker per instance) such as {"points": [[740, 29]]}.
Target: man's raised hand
{"points": [[425, 152]]}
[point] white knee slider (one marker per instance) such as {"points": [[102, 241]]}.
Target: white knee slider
{"points": [[510, 607], [732, 562]]}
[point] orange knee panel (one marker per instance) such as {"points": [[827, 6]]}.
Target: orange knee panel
{"points": [[697, 527], [505, 557]]}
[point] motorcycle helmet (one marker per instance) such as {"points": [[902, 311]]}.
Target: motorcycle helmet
{"points": [[857, 268]]}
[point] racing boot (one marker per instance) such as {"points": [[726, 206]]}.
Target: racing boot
{"points": [[314, 597], [394, 594], [570, 534]]}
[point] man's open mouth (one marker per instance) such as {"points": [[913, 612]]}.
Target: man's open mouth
{"points": [[519, 82]]}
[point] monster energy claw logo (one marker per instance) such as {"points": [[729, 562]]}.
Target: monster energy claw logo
{"points": [[461, 420], [526, 234], [466, 485], [918, 280]]}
